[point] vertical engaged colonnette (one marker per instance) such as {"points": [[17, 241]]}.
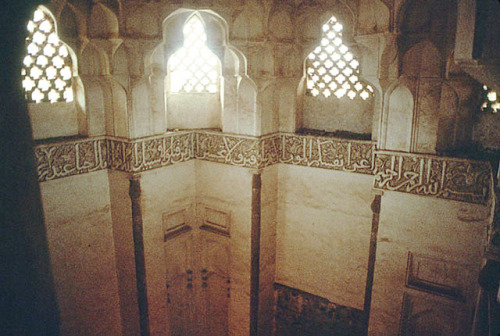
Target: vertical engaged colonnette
{"points": [[255, 254], [371, 260], [140, 265]]}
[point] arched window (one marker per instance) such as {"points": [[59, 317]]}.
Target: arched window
{"points": [[194, 68], [48, 69], [332, 69]]}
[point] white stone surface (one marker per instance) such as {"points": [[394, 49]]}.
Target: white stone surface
{"points": [[53, 120], [323, 233], [449, 231], [231, 187], [194, 110], [162, 191], [80, 236]]}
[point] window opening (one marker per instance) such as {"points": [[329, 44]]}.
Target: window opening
{"points": [[491, 100], [47, 65], [194, 68], [332, 69]]}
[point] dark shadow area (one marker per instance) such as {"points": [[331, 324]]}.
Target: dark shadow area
{"points": [[303, 314], [336, 134], [27, 296]]}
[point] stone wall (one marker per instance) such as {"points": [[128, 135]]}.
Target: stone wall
{"points": [[152, 225], [79, 228], [428, 259], [324, 225]]}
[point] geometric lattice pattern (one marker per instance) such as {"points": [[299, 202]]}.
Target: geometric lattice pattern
{"points": [[194, 68], [47, 74], [332, 69]]}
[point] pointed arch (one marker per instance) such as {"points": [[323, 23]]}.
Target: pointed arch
{"points": [[103, 22], [194, 67], [332, 69], [94, 61], [222, 109], [73, 23], [397, 120], [423, 60], [53, 88], [49, 64]]}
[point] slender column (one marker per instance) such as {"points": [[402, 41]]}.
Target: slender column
{"points": [[140, 264], [371, 260], [255, 252]]}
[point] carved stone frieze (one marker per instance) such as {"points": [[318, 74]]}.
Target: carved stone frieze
{"points": [[229, 149], [449, 178], [244, 151], [270, 147], [328, 153], [70, 158], [141, 155]]}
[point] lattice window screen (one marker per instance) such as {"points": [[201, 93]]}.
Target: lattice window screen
{"points": [[332, 69], [47, 67], [194, 68]]}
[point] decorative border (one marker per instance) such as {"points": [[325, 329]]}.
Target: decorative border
{"points": [[60, 160], [249, 152], [146, 154], [448, 178], [228, 149], [328, 153], [426, 175]]}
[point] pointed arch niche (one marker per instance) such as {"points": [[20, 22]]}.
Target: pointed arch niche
{"points": [[53, 89], [197, 80], [333, 96]]}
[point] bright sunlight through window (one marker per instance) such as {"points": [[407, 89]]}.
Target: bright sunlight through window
{"points": [[194, 68], [47, 73], [332, 69], [491, 101]]}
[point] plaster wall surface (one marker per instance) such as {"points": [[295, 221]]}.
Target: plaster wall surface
{"points": [[338, 115], [163, 190], [47, 124], [80, 235], [445, 239], [193, 111], [323, 233], [226, 187], [186, 186]]}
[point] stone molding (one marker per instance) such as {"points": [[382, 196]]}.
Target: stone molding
{"points": [[426, 175]]}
